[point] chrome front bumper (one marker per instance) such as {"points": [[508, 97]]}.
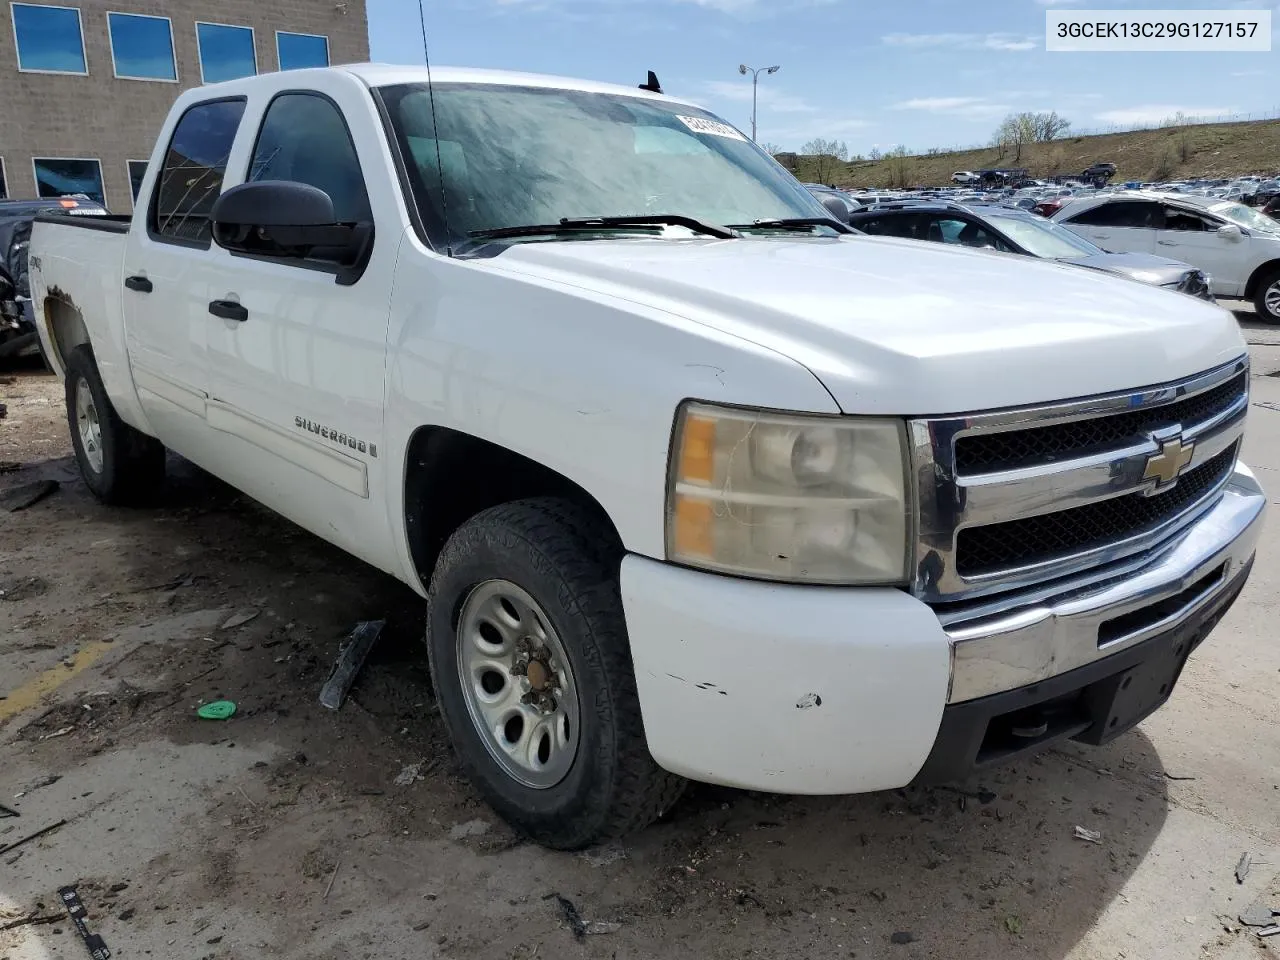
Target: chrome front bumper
{"points": [[1073, 625]]}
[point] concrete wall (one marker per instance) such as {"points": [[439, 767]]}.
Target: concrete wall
{"points": [[114, 121]]}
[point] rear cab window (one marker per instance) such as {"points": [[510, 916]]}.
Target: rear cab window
{"points": [[191, 173]]}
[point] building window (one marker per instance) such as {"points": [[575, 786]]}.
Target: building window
{"points": [[49, 39], [297, 51], [61, 177], [4, 184], [141, 47], [226, 53], [137, 170], [190, 177]]}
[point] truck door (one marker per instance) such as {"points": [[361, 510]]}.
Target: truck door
{"points": [[167, 263], [297, 349]]}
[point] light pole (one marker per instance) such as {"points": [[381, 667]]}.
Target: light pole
{"points": [[755, 83]]}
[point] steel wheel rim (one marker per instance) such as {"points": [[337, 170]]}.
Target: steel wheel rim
{"points": [[88, 425], [1271, 300], [518, 684]]}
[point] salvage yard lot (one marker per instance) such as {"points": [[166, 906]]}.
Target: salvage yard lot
{"points": [[294, 832]]}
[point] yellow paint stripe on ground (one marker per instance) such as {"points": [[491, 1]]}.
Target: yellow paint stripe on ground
{"points": [[35, 689]]}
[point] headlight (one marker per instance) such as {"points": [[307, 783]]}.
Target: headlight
{"points": [[808, 499]]}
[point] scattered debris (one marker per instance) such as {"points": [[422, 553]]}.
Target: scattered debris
{"points": [[33, 836], [1270, 931], [40, 784], [1259, 915], [332, 877], [472, 828], [902, 937], [809, 700], [1167, 776], [26, 494], [93, 942], [410, 774], [1243, 865], [240, 618], [31, 920], [23, 588], [1093, 836], [217, 710], [350, 659], [580, 926], [6, 812], [57, 733]]}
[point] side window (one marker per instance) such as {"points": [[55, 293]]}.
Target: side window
{"points": [[304, 139], [1124, 213], [1175, 218], [889, 226], [190, 179]]}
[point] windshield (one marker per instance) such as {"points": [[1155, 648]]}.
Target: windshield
{"points": [[515, 156], [1043, 238], [1246, 217]]}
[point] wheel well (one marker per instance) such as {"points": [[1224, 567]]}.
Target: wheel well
{"points": [[451, 476], [66, 326], [1251, 287]]}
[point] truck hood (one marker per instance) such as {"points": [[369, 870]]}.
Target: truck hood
{"points": [[1146, 267], [901, 327]]}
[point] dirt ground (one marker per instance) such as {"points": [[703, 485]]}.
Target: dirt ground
{"points": [[291, 831]]}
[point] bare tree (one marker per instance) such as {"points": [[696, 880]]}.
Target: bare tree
{"points": [[827, 156], [901, 168], [772, 149], [1015, 132], [875, 154]]}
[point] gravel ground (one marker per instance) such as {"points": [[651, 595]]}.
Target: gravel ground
{"points": [[293, 832]]}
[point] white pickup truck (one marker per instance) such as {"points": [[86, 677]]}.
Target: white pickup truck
{"points": [[697, 482]]}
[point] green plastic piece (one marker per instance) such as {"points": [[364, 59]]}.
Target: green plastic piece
{"points": [[218, 710]]}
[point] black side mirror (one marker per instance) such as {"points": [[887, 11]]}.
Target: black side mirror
{"points": [[282, 218]]}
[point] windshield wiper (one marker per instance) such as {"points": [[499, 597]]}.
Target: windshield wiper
{"points": [[794, 223], [591, 224]]}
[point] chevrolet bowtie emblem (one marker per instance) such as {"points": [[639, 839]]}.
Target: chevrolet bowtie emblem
{"points": [[1164, 467]]}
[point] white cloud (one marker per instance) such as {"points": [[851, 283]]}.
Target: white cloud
{"points": [[971, 108], [771, 98], [1159, 112], [966, 41]]}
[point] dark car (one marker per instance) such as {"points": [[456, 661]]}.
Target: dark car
{"points": [[1013, 230], [1106, 170], [17, 320]]}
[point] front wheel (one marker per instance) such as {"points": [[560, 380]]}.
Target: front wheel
{"points": [[119, 464], [1267, 300], [533, 675]]}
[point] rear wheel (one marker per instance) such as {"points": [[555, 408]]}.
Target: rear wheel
{"points": [[1266, 301], [533, 675], [119, 464]]}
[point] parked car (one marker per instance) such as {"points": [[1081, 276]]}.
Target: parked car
{"points": [[17, 319], [721, 490], [1011, 230], [965, 176], [1238, 246], [1104, 171]]}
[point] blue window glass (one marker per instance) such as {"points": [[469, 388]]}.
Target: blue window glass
{"points": [[61, 178], [49, 38], [298, 51], [142, 46], [226, 53]]}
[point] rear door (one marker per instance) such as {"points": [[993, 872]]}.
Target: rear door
{"points": [[167, 271], [1119, 226], [296, 389], [1192, 237]]}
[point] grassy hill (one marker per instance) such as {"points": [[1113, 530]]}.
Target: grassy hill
{"points": [[1208, 150]]}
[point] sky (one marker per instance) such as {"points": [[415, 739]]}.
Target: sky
{"points": [[873, 74]]}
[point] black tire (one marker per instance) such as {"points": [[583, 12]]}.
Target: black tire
{"points": [[568, 562], [1264, 313], [131, 470]]}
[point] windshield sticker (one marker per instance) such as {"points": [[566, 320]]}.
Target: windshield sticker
{"points": [[712, 128]]}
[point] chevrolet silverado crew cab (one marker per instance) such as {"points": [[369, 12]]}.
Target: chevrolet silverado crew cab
{"points": [[696, 481]]}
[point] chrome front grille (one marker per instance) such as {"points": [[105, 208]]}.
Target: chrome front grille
{"points": [[1015, 498]]}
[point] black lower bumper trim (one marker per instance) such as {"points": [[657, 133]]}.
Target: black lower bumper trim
{"points": [[1093, 704]]}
